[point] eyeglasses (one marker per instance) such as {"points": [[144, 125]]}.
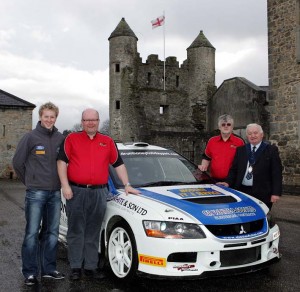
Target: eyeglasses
{"points": [[92, 120], [226, 124]]}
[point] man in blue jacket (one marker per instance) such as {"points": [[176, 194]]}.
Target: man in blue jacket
{"points": [[35, 164]]}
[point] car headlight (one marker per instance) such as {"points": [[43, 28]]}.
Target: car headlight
{"points": [[178, 230]]}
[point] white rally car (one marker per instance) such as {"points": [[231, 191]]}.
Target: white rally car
{"points": [[181, 225]]}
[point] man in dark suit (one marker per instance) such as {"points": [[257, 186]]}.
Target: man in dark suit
{"points": [[256, 169]]}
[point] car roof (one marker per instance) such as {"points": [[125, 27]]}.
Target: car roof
{"points": [[138, 146]]}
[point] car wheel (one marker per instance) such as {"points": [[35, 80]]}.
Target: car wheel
{"points": [[122, 251]]}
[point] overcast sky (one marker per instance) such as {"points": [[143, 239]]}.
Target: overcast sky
{"points": [[57, 50]]}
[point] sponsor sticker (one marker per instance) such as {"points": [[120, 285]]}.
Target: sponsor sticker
{"points": [[239, 236], [223, 213], [185, 268], [196, 192], [40, 150], [148, 153], [276, 234], [130, 206], [152, 261]]}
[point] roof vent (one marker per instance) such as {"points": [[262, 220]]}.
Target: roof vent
{"points": [[137, 144], [140, 144]]}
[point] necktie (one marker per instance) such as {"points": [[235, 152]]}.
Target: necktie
{"points": [[251, 163]]}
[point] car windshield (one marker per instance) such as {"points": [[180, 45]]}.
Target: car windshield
{"points": [[158, 168]]}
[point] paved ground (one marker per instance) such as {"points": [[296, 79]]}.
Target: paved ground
{"points": [[284, 276]]}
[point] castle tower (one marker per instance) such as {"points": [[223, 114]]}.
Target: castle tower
{"points": [[122, 58], [164, 109], [201, 64]]}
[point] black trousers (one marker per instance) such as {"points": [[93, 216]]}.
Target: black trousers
{"points": [[249, 190], [85, 213]]}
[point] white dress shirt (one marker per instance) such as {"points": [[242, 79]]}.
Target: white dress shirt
{"points": [[246, 181]]}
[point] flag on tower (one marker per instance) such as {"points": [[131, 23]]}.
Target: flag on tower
{"points": [[159, 21]]}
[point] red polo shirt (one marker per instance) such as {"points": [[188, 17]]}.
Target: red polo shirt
{"points": [[88, 160], [221, 154]]}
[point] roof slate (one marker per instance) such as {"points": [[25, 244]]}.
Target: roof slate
{"points": [[201, 41], [122, 29], [8, 100]]}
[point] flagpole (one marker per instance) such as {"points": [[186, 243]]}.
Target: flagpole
{"points": [[164, 51]]}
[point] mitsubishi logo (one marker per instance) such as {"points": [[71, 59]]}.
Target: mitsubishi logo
{"points": [[242, 231]]}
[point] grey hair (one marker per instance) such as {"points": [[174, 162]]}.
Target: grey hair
{"points": [[225, 118], [254, 125]]}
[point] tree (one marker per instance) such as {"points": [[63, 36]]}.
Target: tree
{"points": [[77, 127], [66, 132], [104, 129]]}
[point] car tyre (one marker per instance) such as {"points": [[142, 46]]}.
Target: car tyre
{"points": [[122, 251]]}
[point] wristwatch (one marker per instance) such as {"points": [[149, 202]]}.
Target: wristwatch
{"points": [[128, 184]]}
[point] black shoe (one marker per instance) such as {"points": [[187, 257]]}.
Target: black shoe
{"points": [[54, 275], [75, 274], [95, 274], [31, 280]]}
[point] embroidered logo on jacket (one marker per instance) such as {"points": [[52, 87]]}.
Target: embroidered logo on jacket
{"points": [[40, 150]]}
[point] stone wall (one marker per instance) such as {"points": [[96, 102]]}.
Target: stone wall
{"points": [[284, 77], [244, 101], [14, 123]]}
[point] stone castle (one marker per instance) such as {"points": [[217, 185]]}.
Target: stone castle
{"points": [[150, 105]]}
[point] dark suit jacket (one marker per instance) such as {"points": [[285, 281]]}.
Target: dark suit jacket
{"points": [[267, 172]]}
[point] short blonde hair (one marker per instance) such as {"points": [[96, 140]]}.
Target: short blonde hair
{"points": [[48, 106]]}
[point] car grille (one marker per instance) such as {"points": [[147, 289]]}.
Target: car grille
{"points": [[238, 257], [236, 229], [182, 257]]}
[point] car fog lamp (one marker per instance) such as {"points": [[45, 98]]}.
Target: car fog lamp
{"points": [[179, 228]]}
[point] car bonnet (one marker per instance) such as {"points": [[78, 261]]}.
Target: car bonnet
{"points": [[242, 210]]}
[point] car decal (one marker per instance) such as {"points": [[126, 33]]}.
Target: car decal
{"points": [[152, 261], [196, 192]]}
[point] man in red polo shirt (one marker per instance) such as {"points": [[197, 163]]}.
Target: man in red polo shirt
{"points": [[220, 150], [83, 165]]}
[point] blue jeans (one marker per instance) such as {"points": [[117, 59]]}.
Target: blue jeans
{"points": [[42, 213]]}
